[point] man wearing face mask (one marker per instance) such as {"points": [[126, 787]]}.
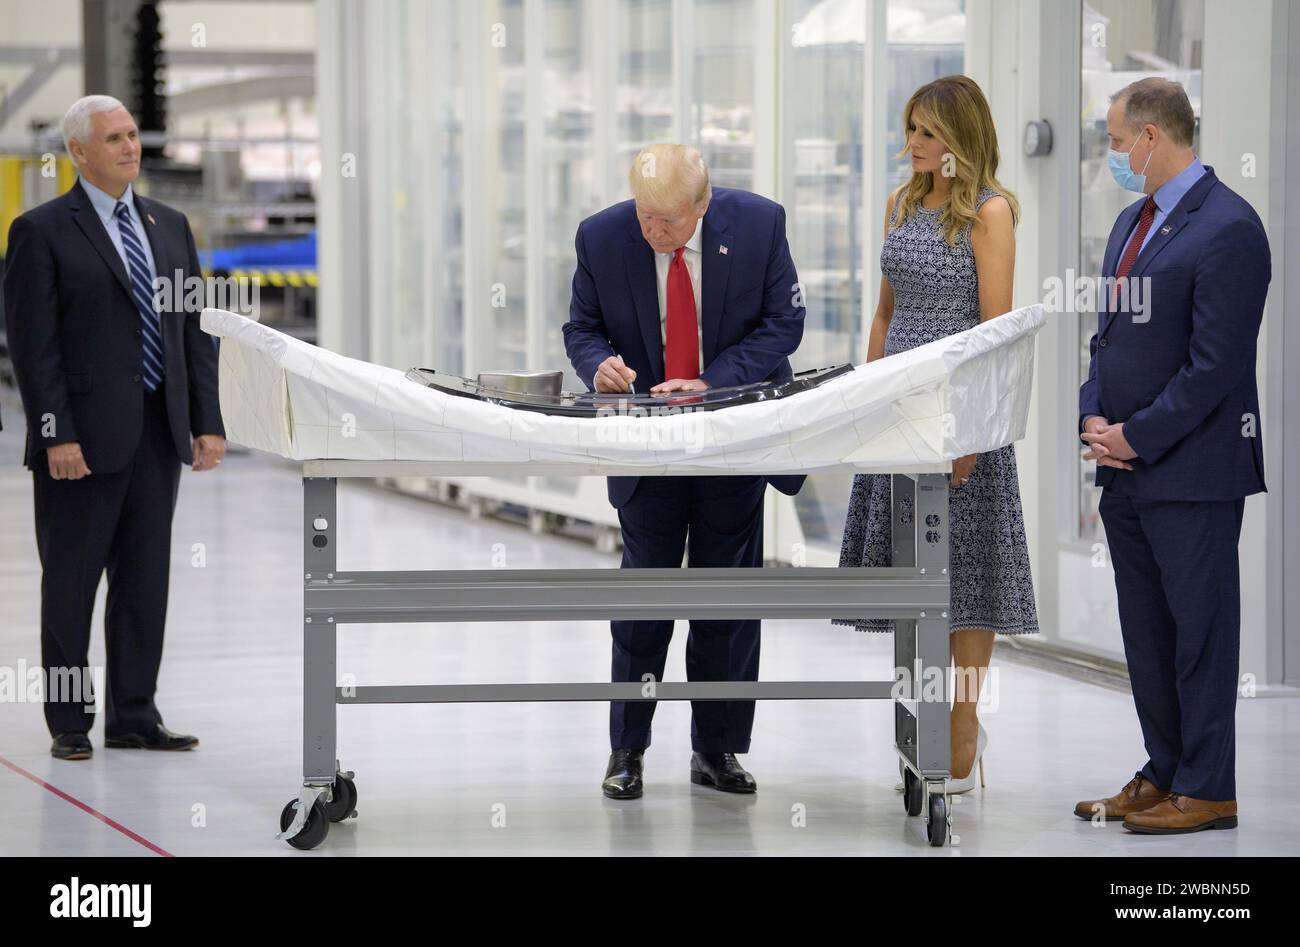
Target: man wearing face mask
{"points": [[685, 287], [1170, 412]]}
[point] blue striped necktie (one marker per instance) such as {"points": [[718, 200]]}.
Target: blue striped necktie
{"points": [[142, 293]]}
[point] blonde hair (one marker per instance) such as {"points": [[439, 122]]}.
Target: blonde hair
{"points": [[665, 175], [958, 114]]}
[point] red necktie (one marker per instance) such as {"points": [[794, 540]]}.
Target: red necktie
{"points": [[681, 337], [1134, 246]]}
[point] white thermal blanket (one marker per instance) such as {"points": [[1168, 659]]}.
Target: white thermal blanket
{"points": [[964, 394]]}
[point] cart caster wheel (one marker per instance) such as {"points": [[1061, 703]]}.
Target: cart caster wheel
{"points": [[913, 794], [937, 827], [345, 799], [313, 832]]}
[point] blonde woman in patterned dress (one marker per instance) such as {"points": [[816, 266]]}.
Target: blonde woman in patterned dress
{"points": [[947, 262]]}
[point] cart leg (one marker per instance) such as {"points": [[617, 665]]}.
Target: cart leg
{"points": [[908, 688], [903, 556], [932, 723], [319, 652], [319, 640]]}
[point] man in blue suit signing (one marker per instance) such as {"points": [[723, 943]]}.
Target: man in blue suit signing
{"points": [[1171, 412], [684, 288]]}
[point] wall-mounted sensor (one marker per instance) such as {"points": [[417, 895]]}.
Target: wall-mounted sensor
{"points": [[1038, 138]]}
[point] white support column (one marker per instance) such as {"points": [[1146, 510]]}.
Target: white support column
{"points": [[683, 45], [874, 123], [535, 195], [783, 535], [980, 48], [1281, 388], [378, 180], [482, 160], [330, 304], [1005, 56], [768, 118], [1237, 121], [433, 207], [342, 320], [601, 42]]}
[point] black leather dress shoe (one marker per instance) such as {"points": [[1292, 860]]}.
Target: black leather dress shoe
{"points": [[72, 746], [159, 738], [623, 775], [721, 771]]}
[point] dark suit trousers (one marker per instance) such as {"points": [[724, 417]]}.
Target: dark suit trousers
{"points": [[723, 517], [1179, 590], [121, 522]]}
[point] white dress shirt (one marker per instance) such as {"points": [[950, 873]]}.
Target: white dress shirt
{"points": [[691, 257]]}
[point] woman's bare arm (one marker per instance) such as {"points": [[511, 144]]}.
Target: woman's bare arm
{"points": [[885, 306], [993, 241]]}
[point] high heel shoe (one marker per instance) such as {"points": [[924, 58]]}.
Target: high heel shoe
{"points": [[956, 786]]}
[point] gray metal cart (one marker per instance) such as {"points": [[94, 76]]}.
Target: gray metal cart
{"points": [[914, 592]]}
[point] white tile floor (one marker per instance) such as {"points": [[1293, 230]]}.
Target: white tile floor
{"points": [[439, 779]]}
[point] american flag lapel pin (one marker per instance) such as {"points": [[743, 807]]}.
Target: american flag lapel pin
{"points": [[151, 220], [722, 249]]}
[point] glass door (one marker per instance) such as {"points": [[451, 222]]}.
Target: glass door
{"points": [[1123, 41]]}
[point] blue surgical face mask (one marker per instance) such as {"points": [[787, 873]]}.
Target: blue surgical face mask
{"points": [[1121, 169]]}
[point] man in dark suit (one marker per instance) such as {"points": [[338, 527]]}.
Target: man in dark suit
{"points": [[1171, 412], [119, 389], [684, 288]]}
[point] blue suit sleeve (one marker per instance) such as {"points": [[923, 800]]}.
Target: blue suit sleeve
{"points": [[1231, 284], [586, 340], [1089, 399], [200, 358], [757, 355], [33, 327]]}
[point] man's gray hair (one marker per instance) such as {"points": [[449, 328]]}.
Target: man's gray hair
{"points": [[1159, 102], [76, 121]]}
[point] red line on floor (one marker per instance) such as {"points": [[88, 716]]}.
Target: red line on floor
{"points": [[94, 812]]}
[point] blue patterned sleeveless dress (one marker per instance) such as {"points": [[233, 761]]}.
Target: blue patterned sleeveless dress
{"points": [[936, 295]]}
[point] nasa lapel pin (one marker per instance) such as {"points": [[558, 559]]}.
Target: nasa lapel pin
{"points": [[722, 249], [1164, 231], [151, 220]]}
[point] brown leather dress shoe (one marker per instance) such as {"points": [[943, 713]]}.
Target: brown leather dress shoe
{"points": [[1181, 813], [1139, 794]]}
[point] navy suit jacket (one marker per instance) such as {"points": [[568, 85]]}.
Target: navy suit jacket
{"points": [[75, 336], [1183, 381], [751, 320]]}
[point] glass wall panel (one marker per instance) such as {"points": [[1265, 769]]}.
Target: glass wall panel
{"points": [[415, 219], [824, 194], [452, 91], [722, 97], [643, 103], [571, 167], [1123, 41], [927, 39], [505, 300]]}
